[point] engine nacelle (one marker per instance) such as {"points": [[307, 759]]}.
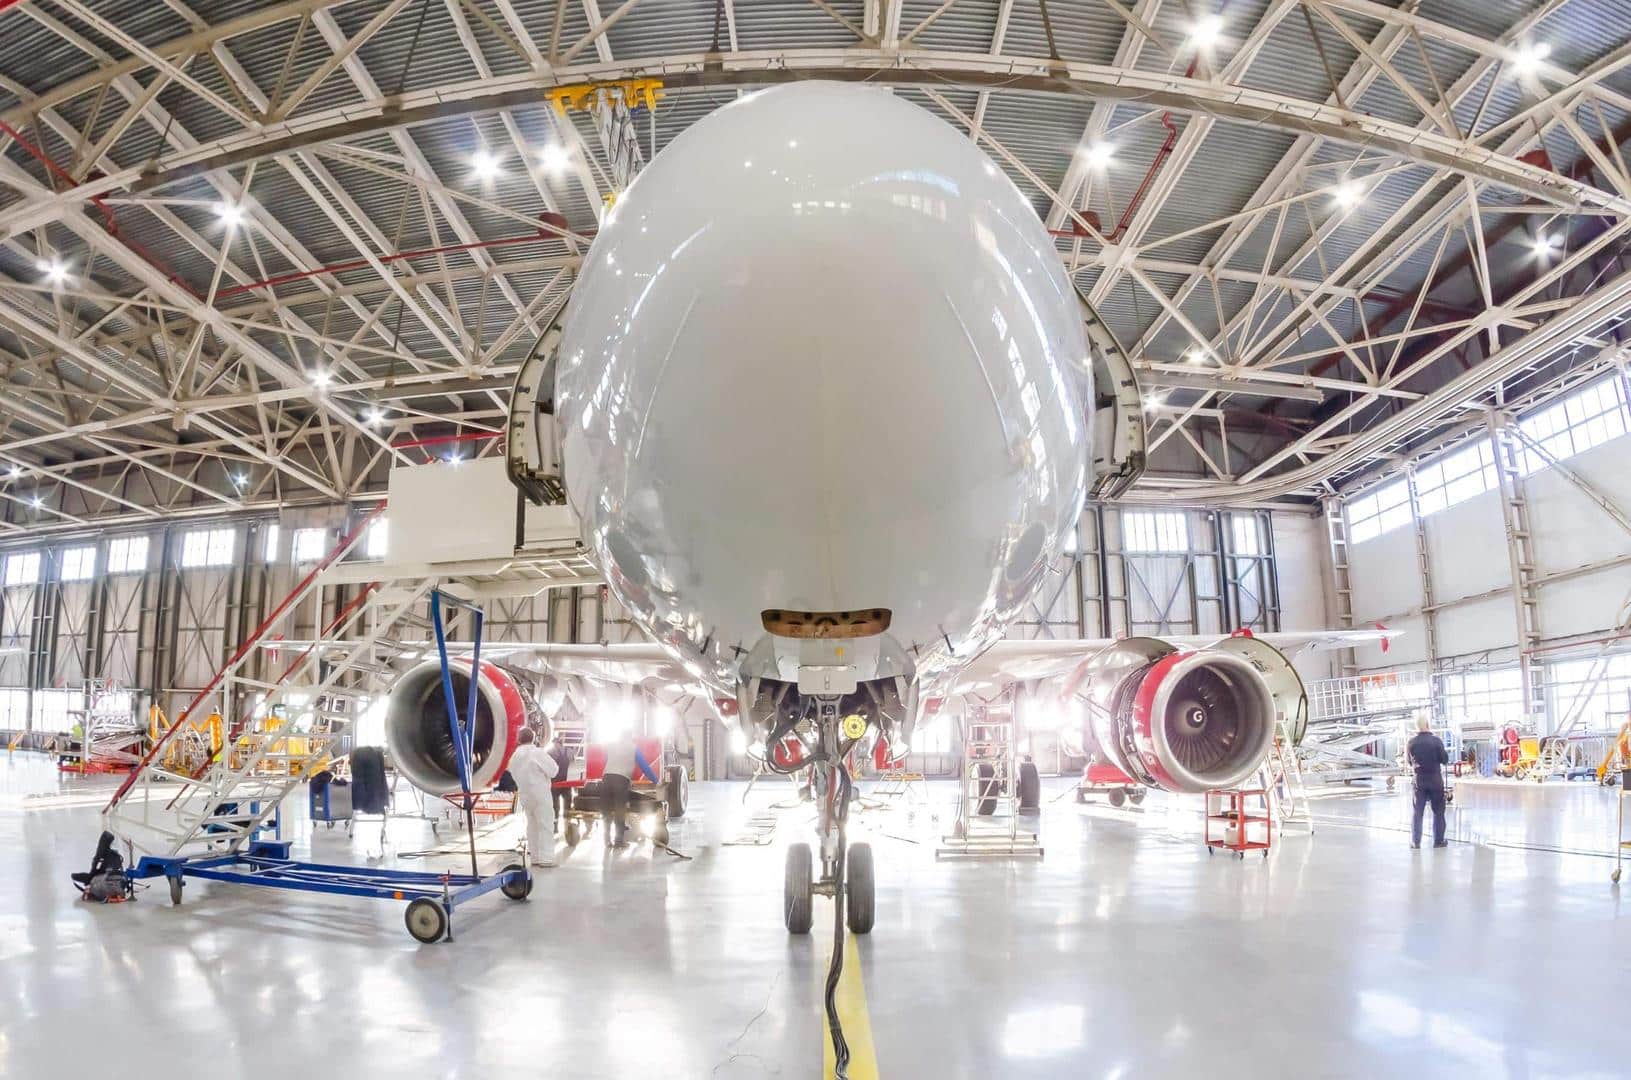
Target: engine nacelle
{"points": [[1187, 721], [421, 742]]}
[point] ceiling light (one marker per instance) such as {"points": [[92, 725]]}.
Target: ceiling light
{"points": [[554, 157], [54, 269], [231, 215], [1527, 60], [38, 502], [16, 471], [1153, 402], [1348, 194], [1098, 155], [321, 378], [1545, 245], [1206, 31], [1197, 355], [374, 416], [239, 480], [484, 164], [454, 458]]}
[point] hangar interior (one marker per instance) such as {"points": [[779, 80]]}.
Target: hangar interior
{"points": [[275, 276]]}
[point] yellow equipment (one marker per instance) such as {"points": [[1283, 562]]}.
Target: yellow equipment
{"points": [[1618, 756]]}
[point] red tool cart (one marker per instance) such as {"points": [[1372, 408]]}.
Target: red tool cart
{"points": [[1234, 825]]}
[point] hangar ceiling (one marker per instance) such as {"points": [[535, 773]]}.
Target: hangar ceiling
{"points": [[250, 254]]}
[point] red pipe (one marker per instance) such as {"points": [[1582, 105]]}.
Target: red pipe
{"points": [[110, 221], [438, 440]]}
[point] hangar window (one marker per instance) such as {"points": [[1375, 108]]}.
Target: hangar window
{"points": [[1455, 478], [1246, 536], [1593, 690], [13, 710], [57, 711], [23, 568], [1154, 531], [78, 564], [376, 543], [1480, 697], [206, 547], [1586, 418], [127, 555], [269, 542], [1386, 508], [309, 544]]}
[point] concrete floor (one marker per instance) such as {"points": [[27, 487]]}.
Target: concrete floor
{"points": [[1126, 952]]}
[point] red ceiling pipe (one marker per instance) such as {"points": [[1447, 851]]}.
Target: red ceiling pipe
{"points": [[551, 227], [110, 220]]}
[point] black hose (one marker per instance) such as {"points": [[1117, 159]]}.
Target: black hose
{"points": [[840, 1047]]}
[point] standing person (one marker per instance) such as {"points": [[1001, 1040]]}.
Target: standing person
{"points": [[561, 754], [1426, 752], [623, 757], [533, 770]]}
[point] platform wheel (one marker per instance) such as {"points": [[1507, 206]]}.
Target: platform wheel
{"points": [[515, 890], [860, 890], [573, 834], [427, 920], [176, 885], [1241, 855], [1208, 851], [1136, 796], [1117, 797], [1081, 796], [1615, 877], [797, 902]]}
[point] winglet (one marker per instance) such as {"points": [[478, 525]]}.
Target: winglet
{"points": [[1386, 641]]}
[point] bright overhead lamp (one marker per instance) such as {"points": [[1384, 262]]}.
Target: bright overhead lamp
{"points": [[554, 157], [321, 379], [1197, 355], [1206, 31], [485, 165], [16, 471], [1098, 155], [239, 481], [1545, 245], [231, 214], [54, 269], [454, 457], [1153, 402], [374, 416], [38, 502], [1528, 58], [1348, 194]]}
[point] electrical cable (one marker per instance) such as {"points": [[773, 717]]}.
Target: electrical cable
{"points": [[835, 1028]]}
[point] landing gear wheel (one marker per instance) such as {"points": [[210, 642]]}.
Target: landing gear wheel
{"points": [[797, 903], [1030, 788], [175, 891], [677, 791], [515, 890], [573, 834], [1136, 796], [988, 788], [1117, 797], [861, 908], [426, 920]]}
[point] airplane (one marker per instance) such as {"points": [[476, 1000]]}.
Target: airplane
{"points": [[825, 407]]}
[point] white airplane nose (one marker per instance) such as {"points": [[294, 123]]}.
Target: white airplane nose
{"points": [[823, 357]]}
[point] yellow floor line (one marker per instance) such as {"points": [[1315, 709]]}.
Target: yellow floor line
{"points": [[852, 1013]]}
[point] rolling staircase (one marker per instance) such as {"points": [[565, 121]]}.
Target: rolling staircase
{"points": [[988, 820], [295, 724]]}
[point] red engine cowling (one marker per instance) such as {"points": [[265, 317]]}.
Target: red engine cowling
{"points": [[1185, 721], [421, 742]]}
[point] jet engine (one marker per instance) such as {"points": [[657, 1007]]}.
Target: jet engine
{"points": [[1189, 721], [419, 737]]}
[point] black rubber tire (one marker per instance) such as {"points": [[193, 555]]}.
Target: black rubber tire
{"points": [[988, 791], [514, 890], [1081, 796], [1030, 788], [1136, 796], [798, 905], [676, 791], [426, 920], [1117, 797], [860, 890], [176, 886], [573, 834]]}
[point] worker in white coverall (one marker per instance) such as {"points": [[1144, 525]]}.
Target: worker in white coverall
{"points": [[533, 771]]}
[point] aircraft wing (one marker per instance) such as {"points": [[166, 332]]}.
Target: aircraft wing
{"points": [[631, 663], [1015, 661]]}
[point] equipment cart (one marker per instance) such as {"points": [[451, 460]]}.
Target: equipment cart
{"points": [[1621, 842], [1231, 825]]}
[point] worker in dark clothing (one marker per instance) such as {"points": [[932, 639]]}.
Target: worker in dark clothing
{"points": [[562, 754], [623, 757], [1428, 756]]}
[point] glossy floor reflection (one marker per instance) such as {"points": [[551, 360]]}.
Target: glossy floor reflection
{"points": [[1126, 952]]}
